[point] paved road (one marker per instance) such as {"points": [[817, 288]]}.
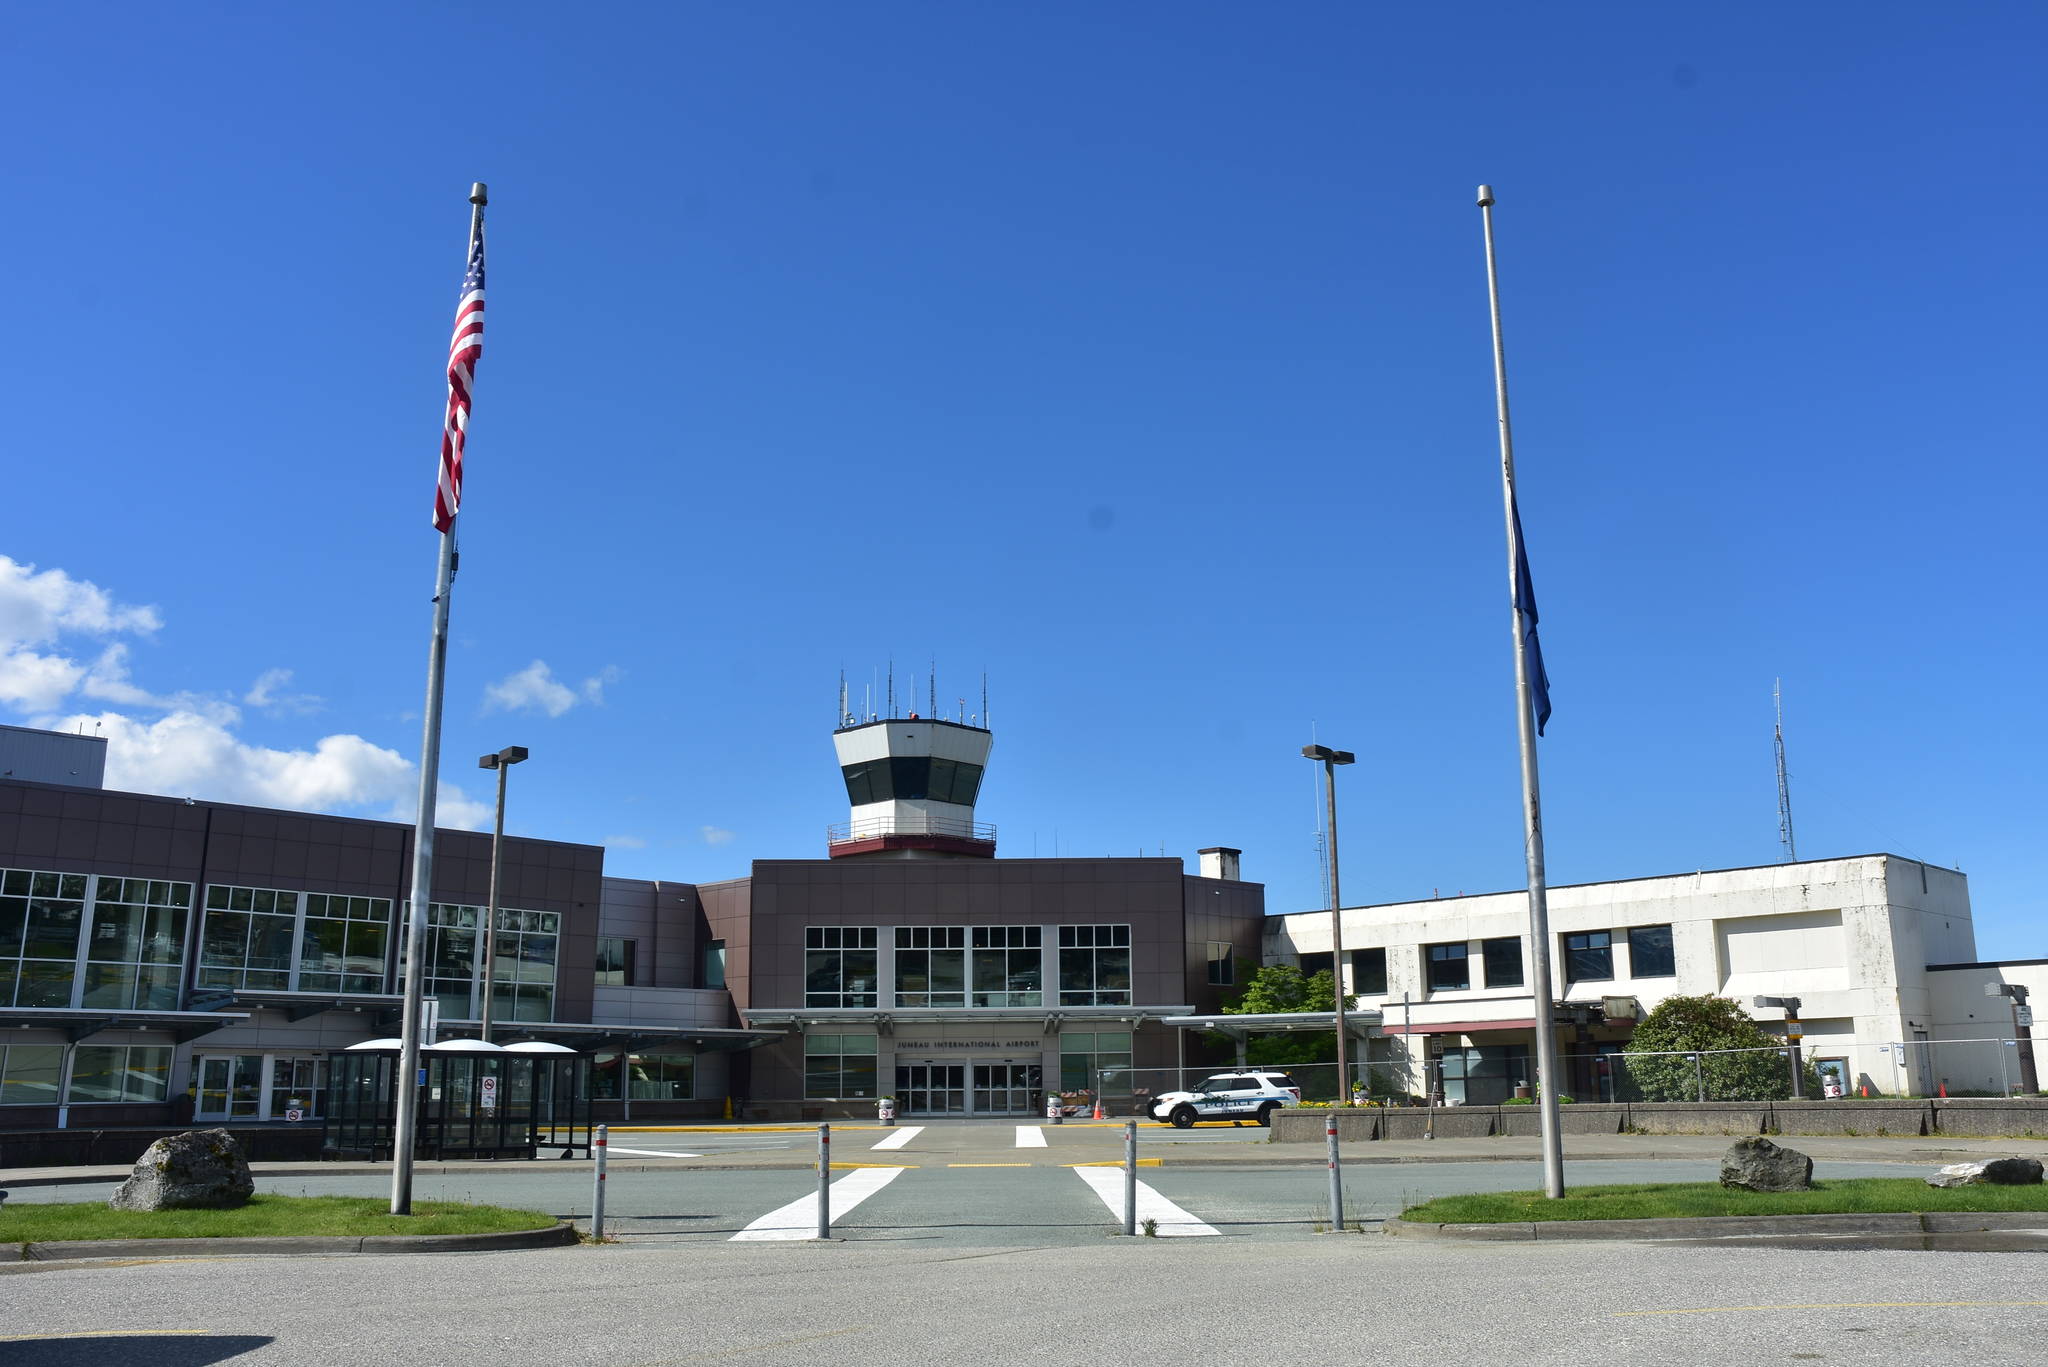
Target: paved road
{"points": [[1133, 1301]]}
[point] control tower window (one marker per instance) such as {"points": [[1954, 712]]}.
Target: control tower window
{"points": [[1095, 965], [912, 779]]}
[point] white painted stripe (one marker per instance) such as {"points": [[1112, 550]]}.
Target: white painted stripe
{"points": [[908, 1133], [669, 1153], [1172, 1221], [799, 1219], [1030, 1137]]}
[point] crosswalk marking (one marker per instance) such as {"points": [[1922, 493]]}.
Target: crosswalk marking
{"points": [[615, 1150], [1030, 1137], [1171, 1220], [799, 1219], [901, 1137]]}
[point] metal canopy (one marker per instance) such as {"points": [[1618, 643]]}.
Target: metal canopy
{"points": [[1047, 1019], [1361, 1022], [298, 1006], [78, 1025], [629, 1038]]}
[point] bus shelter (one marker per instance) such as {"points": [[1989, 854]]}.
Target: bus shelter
{"points": [[476, 1100]]}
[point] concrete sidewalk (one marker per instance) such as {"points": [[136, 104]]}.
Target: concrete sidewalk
{"points": [[1104, 1142]]}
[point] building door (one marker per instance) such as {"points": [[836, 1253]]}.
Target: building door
{"points": [[931, 1088], [230, 1087], [1006, 1088]]}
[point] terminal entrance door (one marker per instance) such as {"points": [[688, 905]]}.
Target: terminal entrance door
{"points": [[931, 1088], [1006, 1088]]}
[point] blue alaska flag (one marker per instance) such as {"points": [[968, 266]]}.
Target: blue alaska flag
{"points": [[1525, 609]]}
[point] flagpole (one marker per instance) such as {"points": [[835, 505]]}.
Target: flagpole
{"points": [[1525, 721], [406, 1083]]}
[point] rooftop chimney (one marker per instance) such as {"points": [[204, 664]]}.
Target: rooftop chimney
{"points": [[1220, 861]]}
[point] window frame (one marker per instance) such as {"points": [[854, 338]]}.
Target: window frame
{"points": [[1487, 956], [1430, 960], [1605, 951], [1669, 953]]}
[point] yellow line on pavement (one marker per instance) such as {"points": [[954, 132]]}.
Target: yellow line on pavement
{"points": [[1824, 1305], [1142, 1162], [837, 1166]]}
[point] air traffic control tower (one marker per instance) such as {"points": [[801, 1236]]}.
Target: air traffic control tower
{"points": [[912, 782]]}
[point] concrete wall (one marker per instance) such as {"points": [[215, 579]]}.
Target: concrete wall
{"points": [[2027, 1118]]}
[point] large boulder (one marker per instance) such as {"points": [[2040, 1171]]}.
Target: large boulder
{"points": [[1756, 1164], [2007, 1172], [197, 1170]]}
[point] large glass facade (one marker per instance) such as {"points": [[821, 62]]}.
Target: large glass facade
{"points": [[30, 1074], [1095, 1061], [341, 947], [274, 940], [120, 1072], [42, 916], [135, 952], [523, 978], [912, 779], [1095, 965]]}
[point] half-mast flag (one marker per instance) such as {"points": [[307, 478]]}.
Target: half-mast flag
{"points": [[1525, 610], [463, 350]]}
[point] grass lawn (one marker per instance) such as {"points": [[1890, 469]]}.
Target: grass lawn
{"points": [[263, 1215], [1667, 1200]]}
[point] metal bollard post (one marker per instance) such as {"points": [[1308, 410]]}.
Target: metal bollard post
{"points": [[1130, 1177], [824, 1181], [597, 1147], [1336, 1175]]}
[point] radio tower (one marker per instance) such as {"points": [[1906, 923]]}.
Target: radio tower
{"points": [[1784, 791]]}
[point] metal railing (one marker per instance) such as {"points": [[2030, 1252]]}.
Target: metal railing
{"points": [[909, 823]]}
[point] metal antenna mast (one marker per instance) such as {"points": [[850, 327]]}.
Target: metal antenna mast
{"points": [[1784, 789]]}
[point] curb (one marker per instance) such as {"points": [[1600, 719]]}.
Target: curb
{"points": [[560, 1235], [1834, 1227]]}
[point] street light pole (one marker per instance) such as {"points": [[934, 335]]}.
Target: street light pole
{"points": [[1331, 759], [502, 762]]}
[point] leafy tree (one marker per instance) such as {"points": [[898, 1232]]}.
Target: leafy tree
{"points": [[1659, 1069], [1278, 989]]}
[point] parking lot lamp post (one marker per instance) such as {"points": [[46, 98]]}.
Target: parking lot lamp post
{"points": [[502, 762], [1331, 759], [2023, 1031]]}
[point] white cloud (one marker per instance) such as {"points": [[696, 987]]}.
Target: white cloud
{"points": [[716, 835], [36, 683], [536, 689], [36, 607], [632, 842], [188, 754], [533, 689], [267, 693]]}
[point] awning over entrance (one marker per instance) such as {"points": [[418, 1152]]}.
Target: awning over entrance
{"points": [[628, 1038], [78, 1025], [384, 1008]]}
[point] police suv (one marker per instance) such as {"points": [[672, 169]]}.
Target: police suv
{"points": [[1227, 1096]]}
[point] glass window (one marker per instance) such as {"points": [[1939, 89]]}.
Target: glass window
{"points": [[660, 1075], [1095, 1060], [247, 937], [614, 961], [714, 964], [1369, 971], [29, 1074], [840, 966], [522, 977], [931, 965], [42, 925], [1220, 964], [1312, 964], [1650, 954], [1449, 967], [839, 1066], [120, 1072], [1095, 965], [341, 947], [1008, 966], [1503, 961], [1588, 957]]}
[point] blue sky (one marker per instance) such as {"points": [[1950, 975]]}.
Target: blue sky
{"points": [[1136, 355]]}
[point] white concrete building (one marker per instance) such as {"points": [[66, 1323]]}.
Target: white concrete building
{"points": [[1852, 938]]}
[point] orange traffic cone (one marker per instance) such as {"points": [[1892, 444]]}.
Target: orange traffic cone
{"points": [[1944, 1087], [1866, 1091], [1098, 1109]]}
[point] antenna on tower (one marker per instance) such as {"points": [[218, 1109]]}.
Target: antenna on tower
{"points": [[892, 688], [1784, 789], [932, 681], [984, 697], [845, 717]]}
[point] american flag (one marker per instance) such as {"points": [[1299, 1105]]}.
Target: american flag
{"points": [[463, 350]]}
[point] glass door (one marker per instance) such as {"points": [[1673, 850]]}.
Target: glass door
{"points": [[1005, 1088], [931, 1088], [230, 1087]]}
